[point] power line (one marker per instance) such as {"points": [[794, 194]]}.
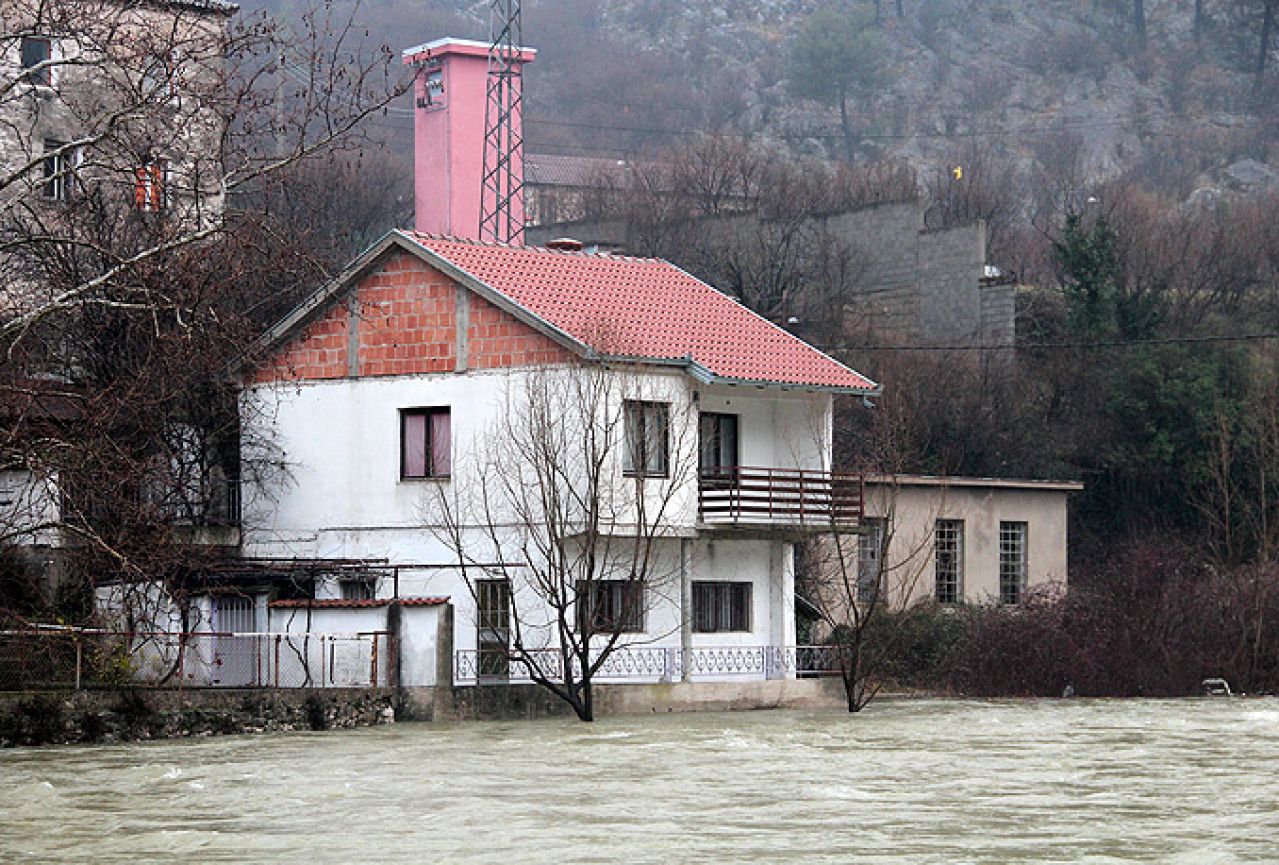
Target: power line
{"points": [[1037, 346]]}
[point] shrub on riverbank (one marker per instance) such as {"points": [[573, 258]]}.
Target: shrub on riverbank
{"points": [[1153, 622]]}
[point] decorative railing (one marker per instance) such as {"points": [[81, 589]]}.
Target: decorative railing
{"points": [[793, 497], [646, 664]]}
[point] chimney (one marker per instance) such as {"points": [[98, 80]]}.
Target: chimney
{"points": [[450, 98]]}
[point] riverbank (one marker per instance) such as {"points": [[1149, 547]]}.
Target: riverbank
{"points": [[76, 717], [69, 717]]}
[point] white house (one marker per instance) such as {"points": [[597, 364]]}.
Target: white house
{"points": [[384, 389]]}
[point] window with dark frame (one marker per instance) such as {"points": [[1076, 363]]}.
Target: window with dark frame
{"points": [[870, 559], [610, 606], [35, 51], [948, 551], [720, 607], [646, 439], [425, 443], [358, 589], [1012, 562], [717, 450]]}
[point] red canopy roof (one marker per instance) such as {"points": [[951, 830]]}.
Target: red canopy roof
{"points": [[644, 308]]}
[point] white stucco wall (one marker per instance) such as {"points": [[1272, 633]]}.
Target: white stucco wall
{"points": [[345, 499]]}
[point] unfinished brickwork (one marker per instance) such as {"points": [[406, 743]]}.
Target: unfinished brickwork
{"points": [[407, 324]]}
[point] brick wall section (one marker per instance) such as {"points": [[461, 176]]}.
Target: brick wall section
{"points": [[319, 352], [496, 340], [407, 322], [408, 325]]}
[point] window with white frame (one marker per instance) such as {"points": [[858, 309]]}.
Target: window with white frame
{"points": [[646, 439], [721, 607], [610, 606], [425, 443], [948, 553], [59, 170], [152, 186], [1012, 562], [37, 57], [870, 559]]}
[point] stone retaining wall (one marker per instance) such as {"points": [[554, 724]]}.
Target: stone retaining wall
{"points": [[52, 718]]}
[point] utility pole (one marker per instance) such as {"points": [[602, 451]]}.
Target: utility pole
{"points": [[501, 195]]}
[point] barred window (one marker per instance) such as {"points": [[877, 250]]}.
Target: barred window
{"points": [[607, 606], [358, 589], [948, 550], [1012, 562], [721, 606]]}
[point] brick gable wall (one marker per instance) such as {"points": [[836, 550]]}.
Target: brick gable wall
{"points": [[408, 325]]}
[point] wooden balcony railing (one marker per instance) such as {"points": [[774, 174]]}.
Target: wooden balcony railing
{"points": [[780, 497]]}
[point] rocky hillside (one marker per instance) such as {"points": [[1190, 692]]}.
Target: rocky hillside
{"points": [[1059, 85]]}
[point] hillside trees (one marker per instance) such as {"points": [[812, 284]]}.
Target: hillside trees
{"points": [[837, 57]]}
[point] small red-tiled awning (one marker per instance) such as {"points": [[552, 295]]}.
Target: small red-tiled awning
{"points": [[355, 604]]}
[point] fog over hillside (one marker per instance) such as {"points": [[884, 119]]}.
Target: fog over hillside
{"points": [[1038, 82]]}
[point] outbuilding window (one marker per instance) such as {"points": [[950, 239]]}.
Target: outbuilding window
{"points": [[948, 550], [425, 443], [870, 559], [1012, 562]]}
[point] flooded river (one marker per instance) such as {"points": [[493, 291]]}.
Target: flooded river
{"points": [[1192, 782]]}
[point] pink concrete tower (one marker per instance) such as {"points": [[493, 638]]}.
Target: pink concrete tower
{"points": [[450, 95]]}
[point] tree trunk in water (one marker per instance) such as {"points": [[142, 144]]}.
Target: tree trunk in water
{"points": [[1199, 22], [1139, 23], [901, 13], [846, 124]]}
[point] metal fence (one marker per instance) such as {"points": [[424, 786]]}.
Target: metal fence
{"points": [[647, 664], [74, 658]]}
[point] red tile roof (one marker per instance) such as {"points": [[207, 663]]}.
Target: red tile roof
{"points": [[345, 604], [644, 308]]}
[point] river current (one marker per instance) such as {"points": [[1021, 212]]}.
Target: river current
{"points": [[906, 781]]}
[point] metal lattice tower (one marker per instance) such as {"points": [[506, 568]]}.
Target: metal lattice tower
{"points": [[503, 178]]}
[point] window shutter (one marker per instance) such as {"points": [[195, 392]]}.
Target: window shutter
{"points": [[441, 444], [413, 442]]}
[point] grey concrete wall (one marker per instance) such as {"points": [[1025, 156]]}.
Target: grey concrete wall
{"points": [[914, 286]]}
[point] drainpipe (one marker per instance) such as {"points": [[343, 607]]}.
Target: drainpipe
{"points": [[686, 607]]}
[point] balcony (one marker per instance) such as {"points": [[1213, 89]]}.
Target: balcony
{"points": [[755, 498]]}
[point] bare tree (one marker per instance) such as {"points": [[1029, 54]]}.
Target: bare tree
{"points": [[562, 521], [133, 279]]}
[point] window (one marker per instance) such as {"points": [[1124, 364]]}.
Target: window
{"points": [[948, 549], [607, 606], [59, 171], [646, 425], [35, 51], [160, 79], [717, 444], [870, 559], [151, 186], [719, 607], [358, 589], [1012, 562], [493, 628], [425, 443]]}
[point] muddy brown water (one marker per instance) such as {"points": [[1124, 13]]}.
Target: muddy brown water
{"points": [[927, 781]]}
